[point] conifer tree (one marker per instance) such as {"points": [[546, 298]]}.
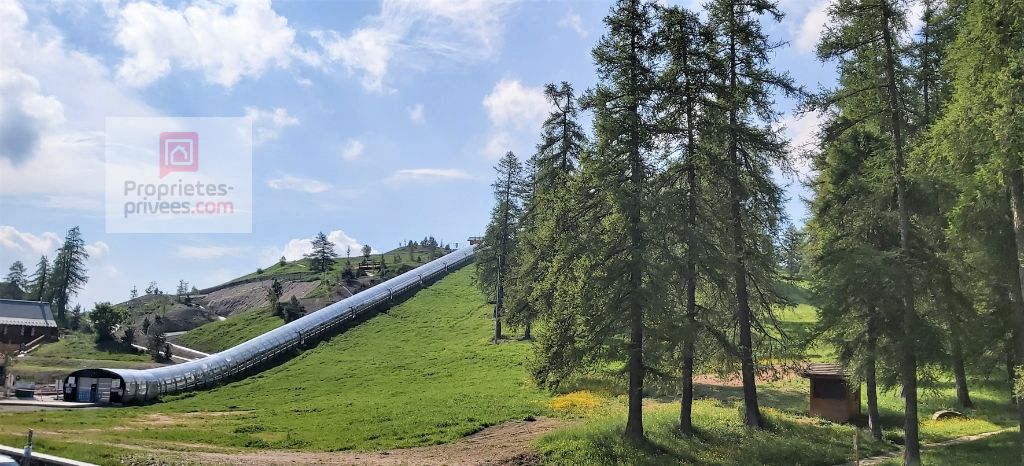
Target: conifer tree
{"points": [[17, 280], [982, 131], [865, 40], [688, 123], [68, 273], [495, 259], [545, 220], [753, 147], [612, 290], [321, 258], [40, 280]]}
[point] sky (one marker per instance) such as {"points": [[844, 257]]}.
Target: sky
{"points": [[373, 122]]}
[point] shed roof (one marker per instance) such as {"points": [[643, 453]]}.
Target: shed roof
{"points": [[826, 369], [27, 313]]}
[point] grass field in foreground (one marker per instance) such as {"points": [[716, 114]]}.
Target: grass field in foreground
{"points": [[1001, 449], [422, 373]]}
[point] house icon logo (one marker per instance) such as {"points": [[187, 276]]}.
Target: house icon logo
{"points": [[179, 152]]}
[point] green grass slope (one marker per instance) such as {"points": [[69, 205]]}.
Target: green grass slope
{"points": [[422, 373], [223, 334]]}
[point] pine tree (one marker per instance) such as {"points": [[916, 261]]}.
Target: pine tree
{"points": [[545, 219], [68, 273], [495, 259], [17, 280], [689, 122], [322, 257], [76, 317], [40, 280], [850, 248], [274, 293], [981, 133], [866, 42], [792, 243], [610, 294], [753, 147]]}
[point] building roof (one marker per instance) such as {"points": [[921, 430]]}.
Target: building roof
{"points": [[833, 370], [27, 313]]}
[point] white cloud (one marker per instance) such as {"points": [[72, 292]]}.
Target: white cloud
{"points": [[47, 243], [24, 242], [207, 252], [572, 20], [801, 130], [296, 248], [813, 24], [516, 112], [267, 124], [352, 150], [295, 183], [25, 116], [225, 39], [512, 104], [416, 114], [415, 33], [67, 94], [97, 250], [427, 175]]}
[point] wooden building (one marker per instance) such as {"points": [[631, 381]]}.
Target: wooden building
{"points": [[25, 323], [833, 397]]}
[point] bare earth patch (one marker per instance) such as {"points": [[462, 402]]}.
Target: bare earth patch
{"points": [[505, 444]]}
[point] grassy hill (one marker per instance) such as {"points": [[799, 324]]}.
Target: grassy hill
{"points": [[77, 351], [223, 334], [425, 373]]}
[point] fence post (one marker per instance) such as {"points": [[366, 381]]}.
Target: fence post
{"points": [[856, 446]]}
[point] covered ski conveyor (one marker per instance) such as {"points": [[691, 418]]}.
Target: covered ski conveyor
{"points": [[135, 385]]}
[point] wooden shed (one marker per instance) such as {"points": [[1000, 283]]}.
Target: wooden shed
{"points": [[833, 396]]}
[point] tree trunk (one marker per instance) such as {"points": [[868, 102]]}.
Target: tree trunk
{"points": [[528, 331], [635, 304], [1015, 180], [751, 412], [963, 395], [499, 299], [912, 451], [686, 400], [874, 419]]}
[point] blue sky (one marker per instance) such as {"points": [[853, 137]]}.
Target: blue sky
{"points": [[376, 122]]}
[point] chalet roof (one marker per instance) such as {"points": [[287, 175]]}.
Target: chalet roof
{"points": [[27, 313], [827, 369]]}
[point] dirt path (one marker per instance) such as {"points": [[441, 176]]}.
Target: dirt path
{"points": [[875, 460], [505, 445]]}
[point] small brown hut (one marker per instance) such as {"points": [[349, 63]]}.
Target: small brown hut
{"points": [[833, 397]]}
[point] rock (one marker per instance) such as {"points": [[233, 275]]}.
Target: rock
{"points": [[947, 414]]}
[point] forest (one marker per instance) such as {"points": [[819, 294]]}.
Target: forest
{"points": [[647, 232]]}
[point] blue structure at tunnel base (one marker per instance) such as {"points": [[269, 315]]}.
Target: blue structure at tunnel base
{"points": [[140, 385]]}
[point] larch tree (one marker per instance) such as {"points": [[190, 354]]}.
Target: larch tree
{"points": [[496, 259], [753, 148], [611, 271], [982, 130], [68, 275], [687, 124], [864, 37], [545, 223], [17, 279], [321, 258], [852, 238]]}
